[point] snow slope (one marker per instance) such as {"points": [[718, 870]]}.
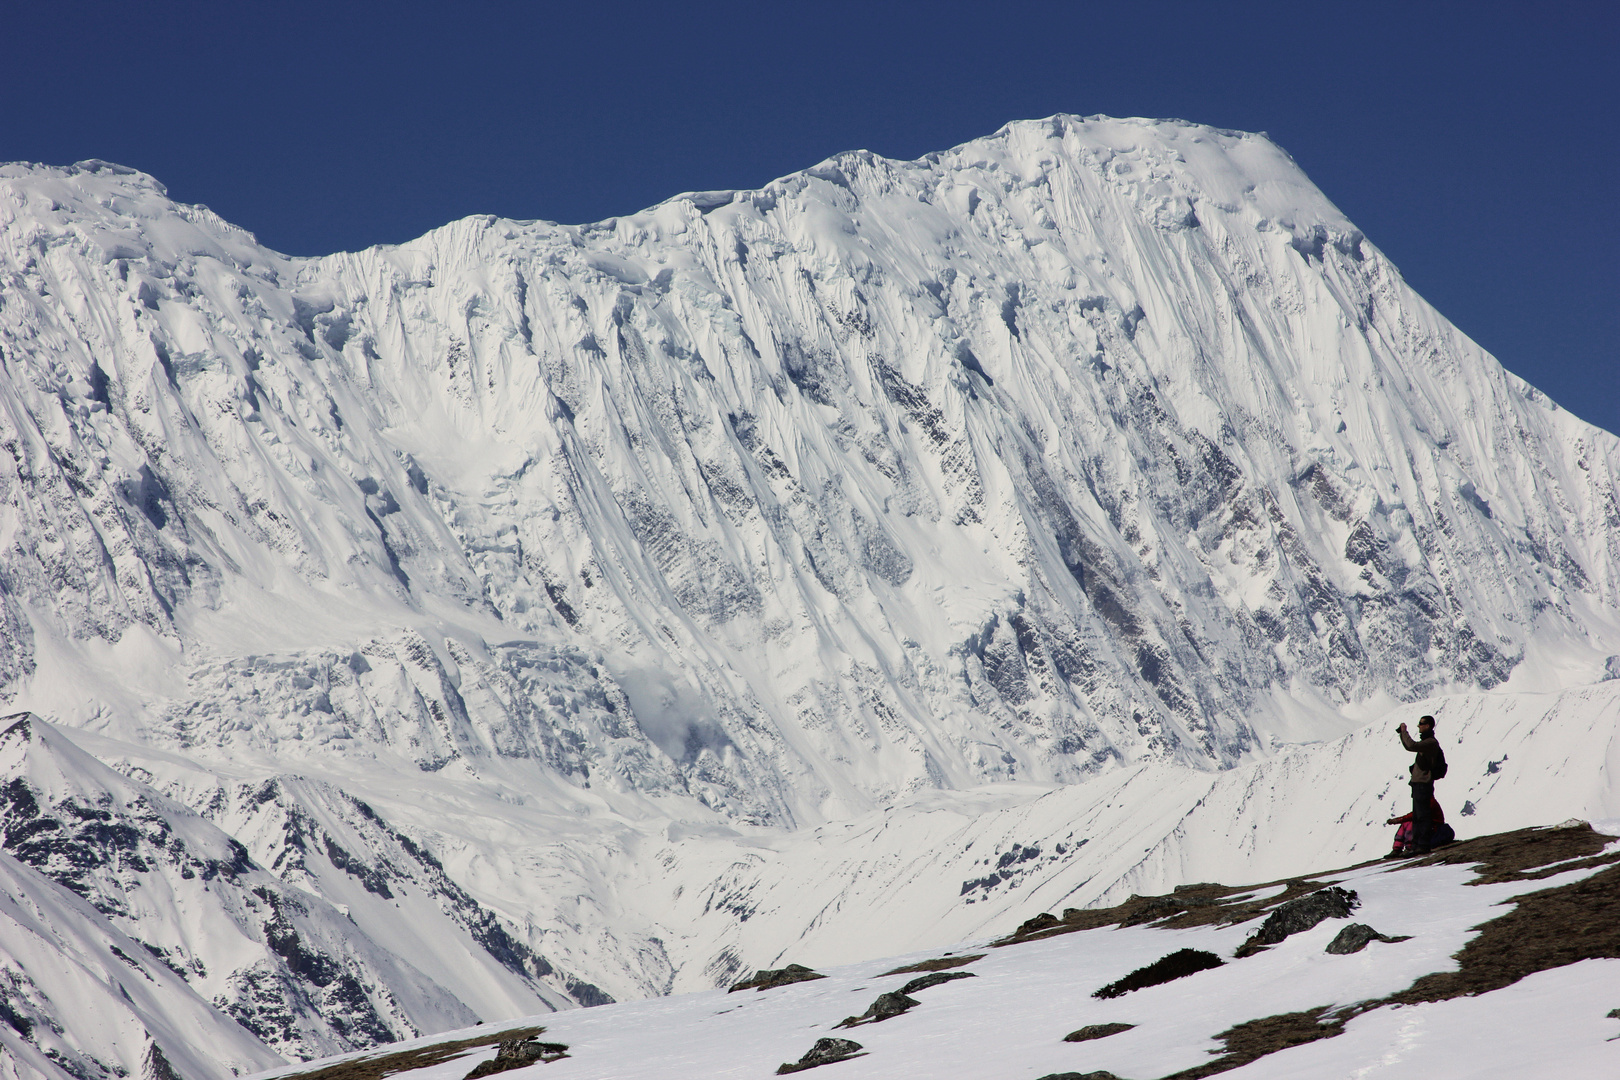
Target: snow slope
{"points": [[932, 870], [80, 999], [1008, 1020]]}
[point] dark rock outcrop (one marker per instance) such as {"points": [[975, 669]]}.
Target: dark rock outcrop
{"points": [[1045, 920], [885, 1007], [934, 979], [825, 1052], [1096, 1031], [1300, 915], [766, 978], [516, 1053], [157, 1066], [1354, 938]]}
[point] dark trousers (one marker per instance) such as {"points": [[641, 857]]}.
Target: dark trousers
{"points": [[1422, 814]]}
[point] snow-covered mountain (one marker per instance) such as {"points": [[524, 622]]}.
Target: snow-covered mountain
{"points": [[548, 614], [1092, 441]]}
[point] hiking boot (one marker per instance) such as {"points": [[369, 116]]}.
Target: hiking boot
{"points": [[1396, 855], [1418, 851]]}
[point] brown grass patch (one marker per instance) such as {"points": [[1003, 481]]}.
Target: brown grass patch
{"points": [[943, 963], [1541, 930], [378, 1066], [1255, 1039], [1521, 855], [1524, 854], [1096, 1031], [1186, 906], [1547, 929]]}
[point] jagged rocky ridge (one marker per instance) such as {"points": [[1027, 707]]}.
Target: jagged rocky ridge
{"points": [[1090, 441], [80, 999], [292, 965]]}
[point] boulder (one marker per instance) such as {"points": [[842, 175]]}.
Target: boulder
{"points": [[825, 1052], [934, 979], [516, 1053], [765, 979], [1300, 915], [1044, 921], [1354, 938], [885, 1007]]}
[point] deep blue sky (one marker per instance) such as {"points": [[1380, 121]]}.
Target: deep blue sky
{"points": [[1477, 144]]}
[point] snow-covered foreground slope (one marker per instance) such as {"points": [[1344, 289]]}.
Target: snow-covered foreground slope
{"points": [[1530, 1011]]}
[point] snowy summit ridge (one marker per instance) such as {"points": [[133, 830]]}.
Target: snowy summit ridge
{"points": [[511, 567], [1091, 441]]}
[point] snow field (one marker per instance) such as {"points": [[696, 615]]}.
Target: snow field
{"points": [[1009, 1020]]}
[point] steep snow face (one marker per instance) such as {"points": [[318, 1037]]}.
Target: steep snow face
{"points": [[327, 842], [941, 867], [82, 1001], [1092, 441], [495, 600]]}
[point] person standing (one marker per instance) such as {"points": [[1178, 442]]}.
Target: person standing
{"points": [[1427, 766]]}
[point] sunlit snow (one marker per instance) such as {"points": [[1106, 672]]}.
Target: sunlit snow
{"points": [[828, 571]]}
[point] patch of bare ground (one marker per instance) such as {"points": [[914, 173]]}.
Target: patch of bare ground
{"points": [[1096, 1031], [1186, 906], [1546, 929], [1255, 1039], [377, 1066], [943, 963], [1541, 930], [1525, 854]]}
